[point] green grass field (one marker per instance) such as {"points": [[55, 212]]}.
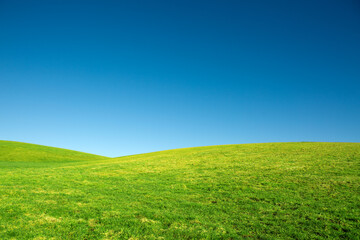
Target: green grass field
{"points": [[259, 191]]}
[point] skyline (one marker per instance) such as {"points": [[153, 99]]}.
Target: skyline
{"points": [[116, 79]]}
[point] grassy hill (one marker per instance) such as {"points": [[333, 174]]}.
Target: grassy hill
{"points": [[261, 191], [26, 152]]}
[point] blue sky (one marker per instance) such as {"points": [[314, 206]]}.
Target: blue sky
{"points": [[125, 77]]}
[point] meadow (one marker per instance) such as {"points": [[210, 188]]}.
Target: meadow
{"points": [[255, 191]]}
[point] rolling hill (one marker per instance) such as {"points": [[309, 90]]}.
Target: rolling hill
{"points": [[259, 191], [25, 152]]}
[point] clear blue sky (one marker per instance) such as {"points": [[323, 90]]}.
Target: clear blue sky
{"points": [[124, 77]]}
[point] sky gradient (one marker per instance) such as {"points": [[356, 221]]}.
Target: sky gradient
{"points": [[124, 77]]}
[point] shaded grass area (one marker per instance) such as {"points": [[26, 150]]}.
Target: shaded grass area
{"points": [[261, 191]]}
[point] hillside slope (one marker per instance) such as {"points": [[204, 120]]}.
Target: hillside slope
{"points": [[261, 191], [26, 152]]}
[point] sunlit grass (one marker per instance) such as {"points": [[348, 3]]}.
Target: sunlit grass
{"points": [[263, 191]]}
